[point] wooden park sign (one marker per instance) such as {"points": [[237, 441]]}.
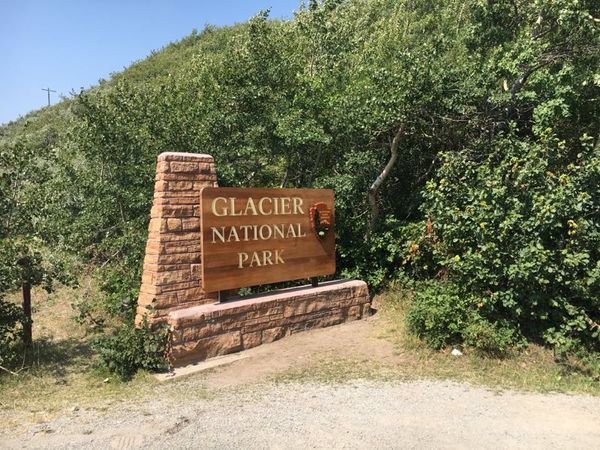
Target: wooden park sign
{"points": [[203, 239], [260, 236]]}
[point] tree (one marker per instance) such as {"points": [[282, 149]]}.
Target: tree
{"points": [[27, 224]]}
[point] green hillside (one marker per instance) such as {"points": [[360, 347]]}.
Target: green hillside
{"points": [[485, 113]]}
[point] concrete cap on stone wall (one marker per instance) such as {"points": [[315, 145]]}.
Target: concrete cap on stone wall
{"points": [[182, 156]]}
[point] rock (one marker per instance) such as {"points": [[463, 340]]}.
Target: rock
{"points": [[456, 352]]}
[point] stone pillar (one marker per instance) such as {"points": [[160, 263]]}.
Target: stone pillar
{"points": [[172, 277]]}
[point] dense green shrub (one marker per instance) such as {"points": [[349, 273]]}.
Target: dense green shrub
{"points": [[439, 314], [11, 321], [491, 338], [442, 316], [519, 231], [130, 349]]}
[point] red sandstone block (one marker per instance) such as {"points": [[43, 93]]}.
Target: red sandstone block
{"points": [[154, 315], [273, 334], [191, 318], [177, 200], [190, 167], [155, 236], [333, 318], [174, 224], [145, 299], [250, 340], [190, 295], [268, 310], [176, 247], [179, 258], [207, 347], [155, 212], [153, 267], [178, 211], [354, 312], [178, 286], [152, 246], [263, 325], [140, 314], [366, 310], [157, 225], [165, 300], [148, 288], [151, 258], [175, 276], [162, 167], [180, 185], [260, 319], [191, 224], [161, 186], [236, 308], [306, 307], [178, 177], [181, 236], [205, 330], [232, 320], [207, 168], [195, 271], [152, 253], [147, 278], [351, 301], [204, 181], [305, 317]]}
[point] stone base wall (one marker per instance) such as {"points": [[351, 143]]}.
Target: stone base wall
{"points": [[204, 331]]}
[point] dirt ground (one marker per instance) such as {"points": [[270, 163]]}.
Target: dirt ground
{"points": [[331, 388]]}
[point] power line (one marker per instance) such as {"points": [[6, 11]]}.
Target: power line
{"points": [[48, 90]]}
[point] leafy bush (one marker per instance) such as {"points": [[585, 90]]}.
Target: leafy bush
{"points": [[377, 261], [11, 321], [439, 314], [442, 316], [519, 230], [129, 349], [494, 339]]}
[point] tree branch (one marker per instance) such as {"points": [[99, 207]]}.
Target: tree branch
{"points": [[9, 371], [374, 189]]}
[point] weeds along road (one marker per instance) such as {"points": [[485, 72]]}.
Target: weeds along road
{"points": [[356, 414]]}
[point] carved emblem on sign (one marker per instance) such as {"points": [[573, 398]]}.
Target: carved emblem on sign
{"points": [[320, 219]]}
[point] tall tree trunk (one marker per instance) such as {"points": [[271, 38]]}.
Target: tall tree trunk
{"points": [[374, 189], [27, 335]]}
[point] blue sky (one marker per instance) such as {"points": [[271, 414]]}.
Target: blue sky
{"points": [[66, 45]]}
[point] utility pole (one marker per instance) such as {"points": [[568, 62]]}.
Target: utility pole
{"points": [[48, 90]]}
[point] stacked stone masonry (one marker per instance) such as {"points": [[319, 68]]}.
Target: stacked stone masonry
{"points": [[171, 276], [171, 290], [210, 330]]}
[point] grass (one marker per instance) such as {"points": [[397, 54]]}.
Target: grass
{"points": [[533, 369]]}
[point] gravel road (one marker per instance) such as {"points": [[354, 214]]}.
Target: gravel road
{"points": [[359, 414]]}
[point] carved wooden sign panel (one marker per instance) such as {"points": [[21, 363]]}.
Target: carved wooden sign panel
{"points": [[253, 236]]}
